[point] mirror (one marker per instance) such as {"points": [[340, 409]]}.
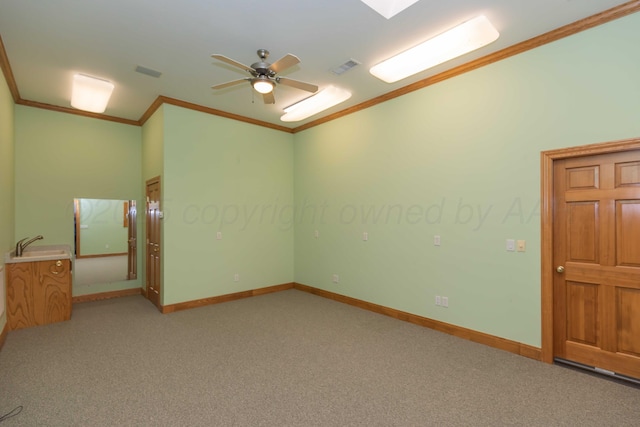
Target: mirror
{"points": [[105, 241]]}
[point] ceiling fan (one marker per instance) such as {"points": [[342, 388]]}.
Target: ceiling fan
{"points": [[264, 75]]}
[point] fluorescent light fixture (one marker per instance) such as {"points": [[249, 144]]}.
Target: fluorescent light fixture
{"points": [[389, 8], [464, 38], [262, 84], [90, 93], [322, 100]]}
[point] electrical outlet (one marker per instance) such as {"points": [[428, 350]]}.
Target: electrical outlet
{"points": [[335, 278], [436, 240], [445, 302], [438, 300], [521, 245], [365, 236], [236, 277], [219, 235]]}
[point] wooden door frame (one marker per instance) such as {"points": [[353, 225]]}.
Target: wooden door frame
{"points": [[132, 224], [547, 159]]}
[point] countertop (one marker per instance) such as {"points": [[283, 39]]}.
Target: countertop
{"points": [[40, 253]]}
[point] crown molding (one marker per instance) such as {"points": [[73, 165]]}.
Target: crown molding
{"points": [[541, 40]]}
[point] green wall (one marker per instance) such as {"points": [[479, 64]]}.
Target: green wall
{"points": [[459, 159], [152, 147], [230, 177], [102, 227], [6, 179], [60, 157]]}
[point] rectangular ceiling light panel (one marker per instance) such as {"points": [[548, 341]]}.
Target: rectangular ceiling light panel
{"points": [[464, 38], [90, 93], [322, 100], [389, 8]]}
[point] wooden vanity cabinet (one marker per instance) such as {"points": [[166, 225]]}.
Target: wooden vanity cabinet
{"points": [[38, 293]]}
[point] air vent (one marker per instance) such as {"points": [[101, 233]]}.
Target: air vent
{"points": [[148, 71], [345, 67]]}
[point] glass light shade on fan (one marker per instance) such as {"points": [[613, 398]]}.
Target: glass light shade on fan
{"points": [[263, 86]]}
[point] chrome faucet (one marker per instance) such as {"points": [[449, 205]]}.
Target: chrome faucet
{"points": [[20, 247]]}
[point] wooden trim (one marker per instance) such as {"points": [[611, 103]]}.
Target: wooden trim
{"points": [[546, 256], [225, 298], [196, 107], [76, 215], [100, 255], [77, 112], [5, 66], [546, 202], [106, 295], [458, 331], [551, 36], [157, 103], [3, 334], [125, 215]]}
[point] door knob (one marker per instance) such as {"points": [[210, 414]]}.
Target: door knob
{"points": [[560, 269]]}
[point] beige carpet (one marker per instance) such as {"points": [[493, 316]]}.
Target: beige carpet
{"points": [[284, 359]]}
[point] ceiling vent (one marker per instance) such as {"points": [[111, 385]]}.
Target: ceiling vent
{"points": [[345, 67], [148, 71]]}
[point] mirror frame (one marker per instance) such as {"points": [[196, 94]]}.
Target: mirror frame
{"points": [[130, 222]]}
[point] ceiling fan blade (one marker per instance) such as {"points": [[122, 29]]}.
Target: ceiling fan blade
{"points": [[269, 98], [227, 84], [285, 62], [233, 62], [297, 84]]}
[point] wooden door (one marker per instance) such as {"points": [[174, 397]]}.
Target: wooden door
{"points": [[153, 249], [596, 286], [132, 256]]}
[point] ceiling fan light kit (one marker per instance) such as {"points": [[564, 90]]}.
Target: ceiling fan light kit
{"points": [[262, 84], [464, 38], [326, 98], [90, 93], [264, 75]]}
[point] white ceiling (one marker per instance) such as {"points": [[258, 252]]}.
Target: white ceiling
{"points": [[48, 41]]}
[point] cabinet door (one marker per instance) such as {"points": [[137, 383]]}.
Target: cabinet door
{"points": [[19, 295], [54, 291], [38, 293]]}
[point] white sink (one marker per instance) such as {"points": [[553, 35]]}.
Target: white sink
{"points": [[40, 253], [31, 254]]}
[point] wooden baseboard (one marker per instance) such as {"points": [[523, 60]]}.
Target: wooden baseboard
{"points": [[225, 298], [106, 295], [3, 334], [458, 331]]}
